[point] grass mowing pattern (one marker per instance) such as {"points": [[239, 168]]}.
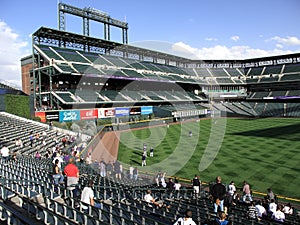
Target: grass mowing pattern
{"points": [[265, 152]]}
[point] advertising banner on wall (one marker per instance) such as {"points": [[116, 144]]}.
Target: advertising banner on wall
{"points": [[135, 111], [69, 115], [146, 110], [42, 115], [106, 112], [87, 114], [121, 112], [52, 116]]}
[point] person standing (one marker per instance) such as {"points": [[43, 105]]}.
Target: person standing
{"points": [[57, 175], [231, 191], [218, 193], [270, 194], [102, 167], [196, 185], [72, 173], [135, 173], [246, 192], [131, 169], [144, 160]]}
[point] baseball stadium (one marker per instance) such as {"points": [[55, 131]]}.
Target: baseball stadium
{"points": [[137, 122]]}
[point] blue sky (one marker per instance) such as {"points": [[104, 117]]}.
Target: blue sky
{"points": [[214, 29]]}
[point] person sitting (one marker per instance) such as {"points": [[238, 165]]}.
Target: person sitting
{"points": [[221, 220], [272, 206], [261, 211], [186, 220], [279, 215], [151, 201], [87, 196], [252, 213], [288, 209]]}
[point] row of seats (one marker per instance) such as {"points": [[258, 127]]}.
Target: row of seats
{"points": [[128, 96]]}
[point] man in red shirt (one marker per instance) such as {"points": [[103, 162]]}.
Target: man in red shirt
{"points": [[72, 173]]}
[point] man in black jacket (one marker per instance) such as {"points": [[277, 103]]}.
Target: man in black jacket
{"points": [[218, 193]]}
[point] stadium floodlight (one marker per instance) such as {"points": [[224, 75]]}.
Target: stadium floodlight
{"points": [[89, 13], [96, 11]]}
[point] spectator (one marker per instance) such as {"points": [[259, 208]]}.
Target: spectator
{"points": [[247, 192], [5, 153], [87, 196], [261, 211], [177, 185], [135, 173], [57, 175], [270, 194], [19, 143], [72, 174], [118, 170], [221, 220], [102, 167], [144, 159], [218, 193], [186, 220], [231, 191], [252, 213], [157, 178], [272, 206], [151, 201], [235, 198], [59, 158], [196, 186], [38, 155], [109, 168], [31, 139], [170, 184], [88, 159], [44, 134], [278, 215], [288, 209], [162, 180], [131, 169], [50, 125]]}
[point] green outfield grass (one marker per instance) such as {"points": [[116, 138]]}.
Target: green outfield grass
{"points": [[265, 152]]}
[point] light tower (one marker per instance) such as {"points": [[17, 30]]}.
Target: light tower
{"points": [[88, 14]]}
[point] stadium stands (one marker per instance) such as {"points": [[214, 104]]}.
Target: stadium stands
{"points": [[32, 198]]}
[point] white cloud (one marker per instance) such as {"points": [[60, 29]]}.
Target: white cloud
{"points": [[12, 50], [289, 40], [211, 39], [279, 46], [235, 38], [224, 52]]}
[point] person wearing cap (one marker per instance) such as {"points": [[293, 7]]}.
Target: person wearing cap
{"points": [[186, 219]]}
